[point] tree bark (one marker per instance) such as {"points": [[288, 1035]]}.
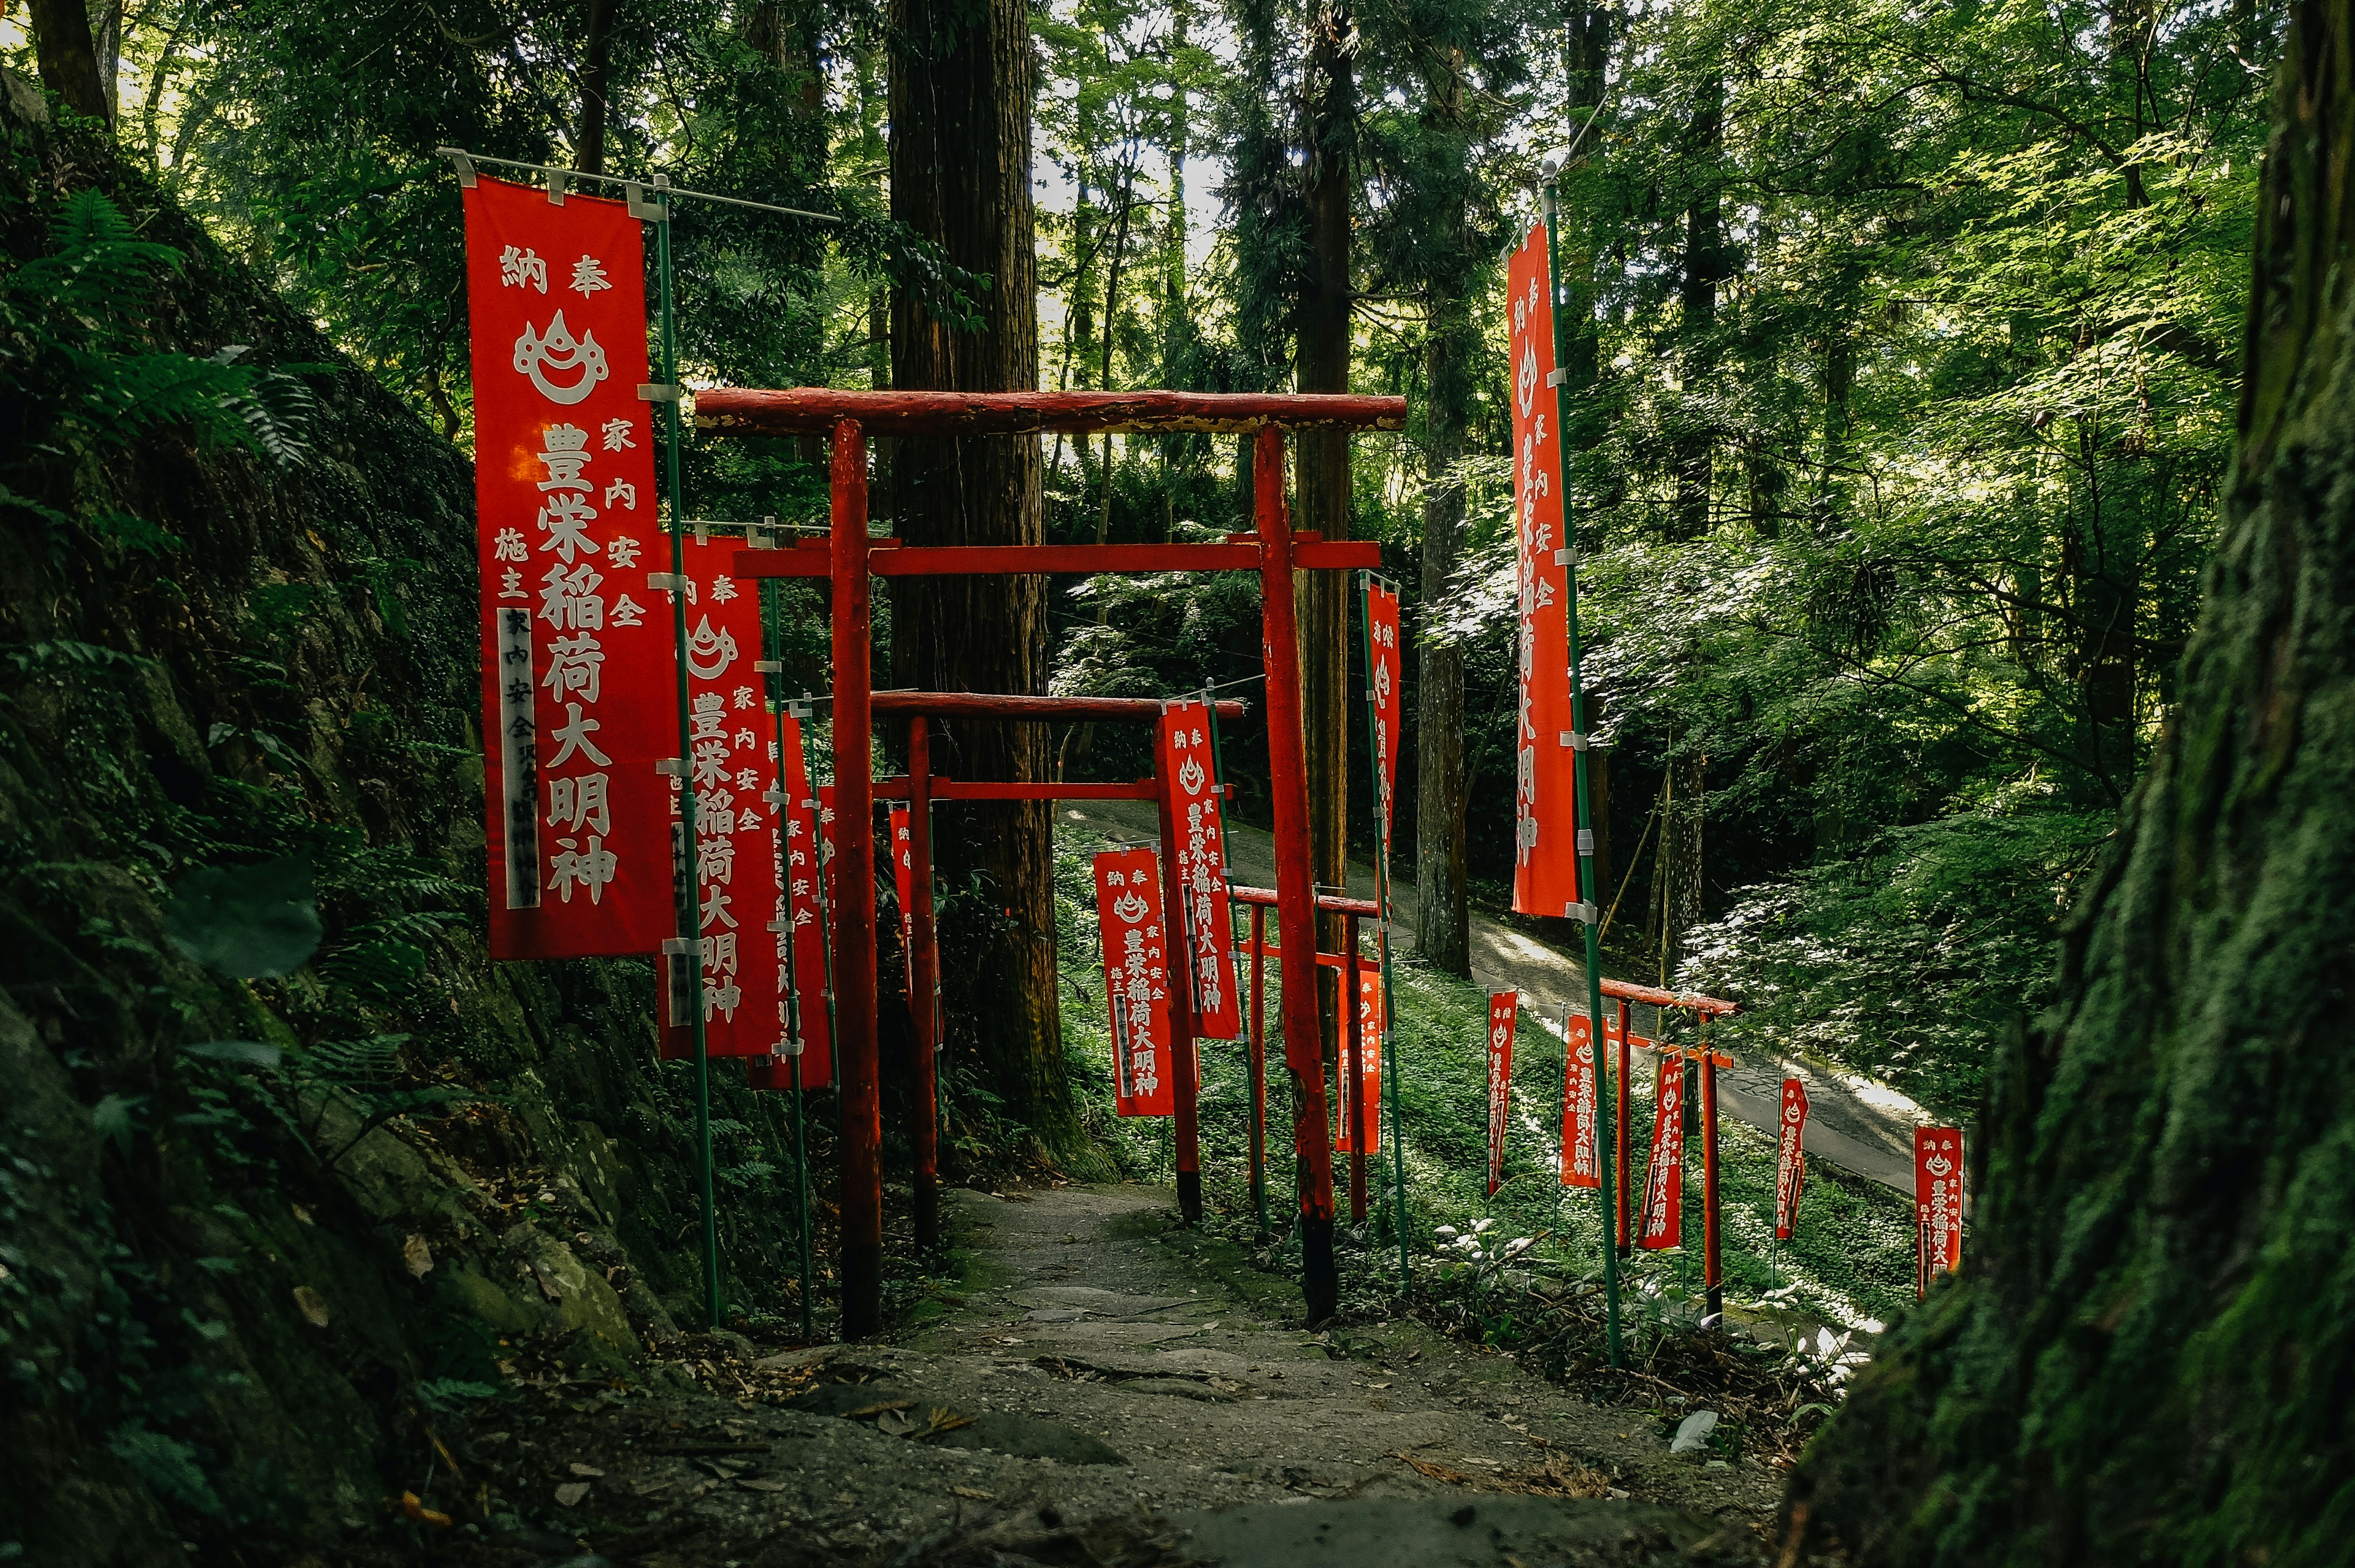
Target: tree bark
{"points": [[68, 59], [2145, 1358], [1442, 929], [1321, 473], [596, 73], [1704, 266], [962, 84]]}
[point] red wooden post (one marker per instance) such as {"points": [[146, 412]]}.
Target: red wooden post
{"points": [[1619, 1127], [1355, 1085], [1296, 919], [1182, 1001], [1713, 1264], [854, 905], [924, 987], [1257, 1046]]}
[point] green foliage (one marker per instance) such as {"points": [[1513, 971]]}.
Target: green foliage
{"points": [[166, 1464], [250, 921]]}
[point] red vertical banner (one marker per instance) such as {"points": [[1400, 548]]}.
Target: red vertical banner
{"points": [[732, 768], [1581, 1164], [1370, 1035], [903, 884], [1545, 858], [1136, 980], [1790, 1159], [1503, 1007], [1938, 1202], [578, 694], [805, 912], [1384, 691], [1185, 758], [1664, 1182]]}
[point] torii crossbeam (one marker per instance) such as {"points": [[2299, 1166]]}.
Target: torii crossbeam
{"points": [[849, 559]]}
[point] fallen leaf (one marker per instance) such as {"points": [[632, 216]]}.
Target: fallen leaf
{"points": [[1437, 1472], [896, 1422], [945, 1419], [880, 1409], [418, 1256], [570, 1493], [312, 1304], [975, 1493], [589, 1472], [750, 1485], [648, 1489], [300, 1212], [416, 1510]]}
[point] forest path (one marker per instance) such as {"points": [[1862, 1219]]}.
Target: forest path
{"points": [[1855, 1123], [1102, 1385]]}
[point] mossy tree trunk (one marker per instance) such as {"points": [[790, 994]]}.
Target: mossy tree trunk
{"points": [[2150, 1354]]}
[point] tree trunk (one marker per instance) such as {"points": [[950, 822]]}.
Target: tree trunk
{"points": [[1442, 932], [2145, 1358], [962, 83], [1704, 265], [67, 58], [596, 70], [1321, 482]]}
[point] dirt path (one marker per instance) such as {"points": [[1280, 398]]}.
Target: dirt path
{"points": [[1106, 1387], [1857, 1124]]}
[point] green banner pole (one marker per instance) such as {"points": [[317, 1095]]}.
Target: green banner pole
{"points": [[1587, 909], [688, 946]]}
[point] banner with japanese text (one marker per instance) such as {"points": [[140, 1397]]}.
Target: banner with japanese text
{"points": [[1384, 692], [1545, 858], [903, 884], [1136, 980], [732, 768], [1504, 1006], [1185, 755], [1581, 1164], [805, 907], [1368, 1054], [1663, 1181], [1937, 1202], [1790, 1158], [578, 693]]}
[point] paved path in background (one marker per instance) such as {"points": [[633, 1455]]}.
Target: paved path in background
{"points": [[1853, 1123]]}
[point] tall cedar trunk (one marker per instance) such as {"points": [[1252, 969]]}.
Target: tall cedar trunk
{"points": [[1321, 484], [1703, 267], [2147, 1355], [66, 57], [960, 100], [1443, 934], [596, 70]]}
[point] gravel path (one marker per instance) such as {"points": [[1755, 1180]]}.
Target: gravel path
{"points": [[1106, 1387]]}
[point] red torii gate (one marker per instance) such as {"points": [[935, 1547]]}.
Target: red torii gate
{"points": [[920, 788], [848, 558]]}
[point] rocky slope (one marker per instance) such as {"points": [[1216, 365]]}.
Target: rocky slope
{"points": [[240, 1285]]}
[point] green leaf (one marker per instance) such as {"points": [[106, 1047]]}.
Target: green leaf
{"points": [[117, 1117], [251, 1052], [251, 921], [448, 1397]]}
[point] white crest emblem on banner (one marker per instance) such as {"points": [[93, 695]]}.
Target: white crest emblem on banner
{"points": [[556, 350]]}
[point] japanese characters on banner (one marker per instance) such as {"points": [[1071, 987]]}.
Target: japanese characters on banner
{"points": [[1938, 1202], [1370, 1037], [903, 882], [1503, 1007], [1545, 858], [806, 906], [1790, 1158], [1186, 757], [1664, 1182], [1384, 691], [578, 694], [1582, 1158], [1136, 981], [732, 768]]}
